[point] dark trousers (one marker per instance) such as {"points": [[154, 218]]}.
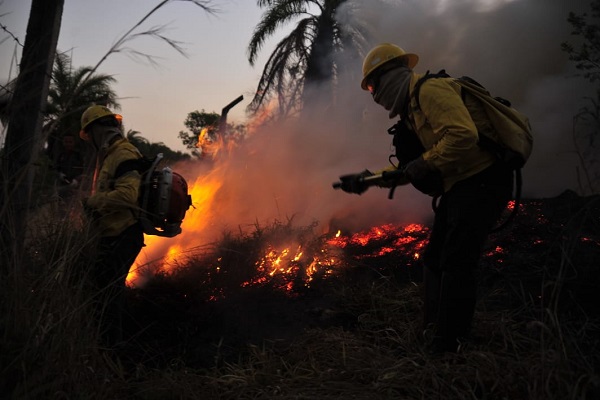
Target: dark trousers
{"points": [[115, 257], [463, 219]]}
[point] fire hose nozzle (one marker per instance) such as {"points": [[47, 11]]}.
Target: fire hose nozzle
{"points": [[385, 178]]}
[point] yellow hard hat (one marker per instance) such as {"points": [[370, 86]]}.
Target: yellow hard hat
{"points": [[381, 54], [92, 114]]}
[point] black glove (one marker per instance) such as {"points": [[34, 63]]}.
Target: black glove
{"points": [[354, 183], [91, 213], [62, 179], [393, 178], [424, 177]]}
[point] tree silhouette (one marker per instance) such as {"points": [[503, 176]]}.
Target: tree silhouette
{"points": [[586, 55], [27, 104], [209, 132], [23, 136], [196, 122], [303, 58], [152, 149], [71, 92]]}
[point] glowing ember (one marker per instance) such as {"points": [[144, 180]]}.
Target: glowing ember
{"points": [[400, 238], [294, 265], [288, 262]]}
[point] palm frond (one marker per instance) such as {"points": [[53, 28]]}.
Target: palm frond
{"points": [[285, 64], [278, 14], [309, 54], [71, 91]]}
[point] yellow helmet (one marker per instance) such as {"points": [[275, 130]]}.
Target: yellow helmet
{"points": [[381, 54], [92, 114]]}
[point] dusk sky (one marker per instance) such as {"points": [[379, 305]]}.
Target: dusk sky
{"points": [[156, 99], [512, 46]]}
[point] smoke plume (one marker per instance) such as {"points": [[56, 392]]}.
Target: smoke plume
{"points": [[286, 172], [513, 47]]}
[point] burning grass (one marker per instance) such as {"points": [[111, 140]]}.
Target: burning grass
{"points": [[287, 312]]}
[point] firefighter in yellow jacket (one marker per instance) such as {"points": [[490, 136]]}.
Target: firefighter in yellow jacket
{"points": [[473, 186], [112, 208]]}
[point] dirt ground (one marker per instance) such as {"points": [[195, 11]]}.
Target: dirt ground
{"points": [[552, 243]]}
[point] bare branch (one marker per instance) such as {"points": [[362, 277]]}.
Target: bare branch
{"points": [[130, 35], [119, 45], [5, 29]]}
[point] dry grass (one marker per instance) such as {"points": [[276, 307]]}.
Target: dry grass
{"points": [[353, 336]]}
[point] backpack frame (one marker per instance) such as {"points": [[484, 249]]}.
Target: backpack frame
{"points": [[163, 199]]}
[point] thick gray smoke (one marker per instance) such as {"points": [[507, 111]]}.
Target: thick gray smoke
{"points": [[512, 47]]}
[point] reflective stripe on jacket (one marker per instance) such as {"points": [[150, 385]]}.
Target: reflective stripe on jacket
{"points": [[114, 201], [447, 130]]}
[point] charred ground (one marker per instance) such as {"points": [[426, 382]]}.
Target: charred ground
{"points": [[342, 321], [548, 258]]}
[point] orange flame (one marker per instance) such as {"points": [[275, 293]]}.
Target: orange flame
{"points": [[162, 254], [214, 201], [166, 251]]}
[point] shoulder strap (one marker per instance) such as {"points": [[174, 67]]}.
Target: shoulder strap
{"points": [[133, 164], [441, 74], [140, 165], [126, 166]]}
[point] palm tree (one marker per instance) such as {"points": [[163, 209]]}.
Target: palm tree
{"points": [[71, 92], [304, 57], [150, 150], [136, 138], [23, 134]]}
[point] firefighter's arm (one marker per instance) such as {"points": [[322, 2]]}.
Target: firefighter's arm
{"points": [[124, 194], [452, 125]]}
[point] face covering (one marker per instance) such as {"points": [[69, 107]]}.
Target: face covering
{"points": [[392, 93], [103, 139]]}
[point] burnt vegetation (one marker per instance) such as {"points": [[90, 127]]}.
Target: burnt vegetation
{"points": [[221, 326]]}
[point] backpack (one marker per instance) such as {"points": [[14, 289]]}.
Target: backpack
{"points": [[511, 139], [163, 199]]}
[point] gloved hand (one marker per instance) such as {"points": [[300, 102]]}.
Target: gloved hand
{"points": [[62, 178], [391, 178], [354, 183], [424, 176], [90, 212]]}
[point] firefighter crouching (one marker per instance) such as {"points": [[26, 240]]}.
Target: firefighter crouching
{"points": [[473, 188], [112, 211]]}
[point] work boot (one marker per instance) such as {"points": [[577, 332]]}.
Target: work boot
{"points": [[455, 312], [431, 297]]}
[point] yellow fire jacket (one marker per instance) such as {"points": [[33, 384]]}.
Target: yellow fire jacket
{"points": [[114, 202], [447, 130]]}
